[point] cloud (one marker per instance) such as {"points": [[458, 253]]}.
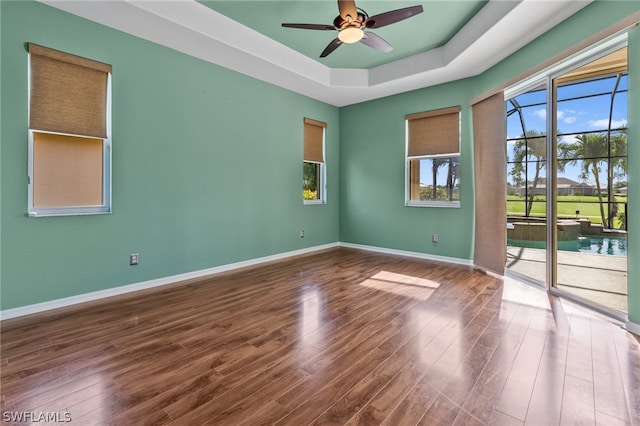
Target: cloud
{"points": [[562, 115], [569, 139], [540, 113], [604, 123], [567, 119]]}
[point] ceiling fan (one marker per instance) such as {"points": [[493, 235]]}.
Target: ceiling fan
{"points": [[352, 23]]}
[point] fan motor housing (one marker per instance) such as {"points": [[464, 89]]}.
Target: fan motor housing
{"points": [[340, 22]]}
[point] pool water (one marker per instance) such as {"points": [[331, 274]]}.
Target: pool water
{"points": [[603, 245], [607, 245]]}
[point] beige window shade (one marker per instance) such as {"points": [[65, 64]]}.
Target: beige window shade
{"points": [[68, 171], [313, 140], [612, 63], [68, 93], [490, 161], [434, 132]]}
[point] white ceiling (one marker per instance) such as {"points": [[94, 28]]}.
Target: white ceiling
{"points": [[500, 28]]}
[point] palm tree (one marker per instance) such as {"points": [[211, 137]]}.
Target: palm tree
{"points": [[589, 151], [619, 151], [597, 152], [617, 168], [531, 147], [453, 175], [437, 163]]}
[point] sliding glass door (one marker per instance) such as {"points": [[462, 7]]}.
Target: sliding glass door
{"points": [[590, 127], [566, 179]]}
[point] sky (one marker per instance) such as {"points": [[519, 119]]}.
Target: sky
{"points": [[581, 107]]}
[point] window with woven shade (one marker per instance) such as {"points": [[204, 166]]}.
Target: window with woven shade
{"points": [[313, 172], [433, 158], [69, 134]]}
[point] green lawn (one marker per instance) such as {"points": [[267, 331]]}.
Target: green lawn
{"points": [[589, 207]]}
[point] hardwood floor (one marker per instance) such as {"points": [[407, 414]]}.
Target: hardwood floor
{"points": [[337, 337]]}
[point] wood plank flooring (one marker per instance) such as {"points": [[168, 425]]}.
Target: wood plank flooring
{"points": [[342, 337]]}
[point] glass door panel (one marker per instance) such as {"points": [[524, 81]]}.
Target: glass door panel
{"points": [[527, 185], [590, 177]]}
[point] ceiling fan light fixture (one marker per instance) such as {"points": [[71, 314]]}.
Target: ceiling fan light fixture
{"points": [[352, 22], [351, 35]]}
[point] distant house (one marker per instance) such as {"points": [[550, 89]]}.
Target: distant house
{"points": [[565, 186]]}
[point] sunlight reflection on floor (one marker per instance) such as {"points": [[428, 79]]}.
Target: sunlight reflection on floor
{"points": [[405, 285], [313, 305]]}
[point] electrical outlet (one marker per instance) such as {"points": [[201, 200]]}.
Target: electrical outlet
{"points": [[302, 233], [434, 238], [133, 259]]}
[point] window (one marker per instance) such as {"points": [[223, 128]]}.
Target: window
{"points": [[433, 158], [69, 134], [313, 171]]}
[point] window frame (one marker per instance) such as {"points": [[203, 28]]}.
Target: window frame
{"points": [[322, 173], [407, 164], [429, 203], [106, 206], [321, 184]]}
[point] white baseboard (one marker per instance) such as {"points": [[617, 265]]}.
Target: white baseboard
{"points": [[101, 294], [456, 260], [633, 327]]}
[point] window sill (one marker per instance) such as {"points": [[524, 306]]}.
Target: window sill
{"points": [[68, 212], [312, 202], [445, 204]]}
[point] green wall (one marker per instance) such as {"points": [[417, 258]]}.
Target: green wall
{"points": [[207, 163], [372, 196], [207, 167]]}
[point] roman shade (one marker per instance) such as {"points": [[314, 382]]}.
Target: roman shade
{"points": [[68, 94], [433, 132], [67, 171], [313, 140], [615, 62], [489, 137]]}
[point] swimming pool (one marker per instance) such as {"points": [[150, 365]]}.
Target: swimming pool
{"points": [[612, 245], [607, 245]]}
